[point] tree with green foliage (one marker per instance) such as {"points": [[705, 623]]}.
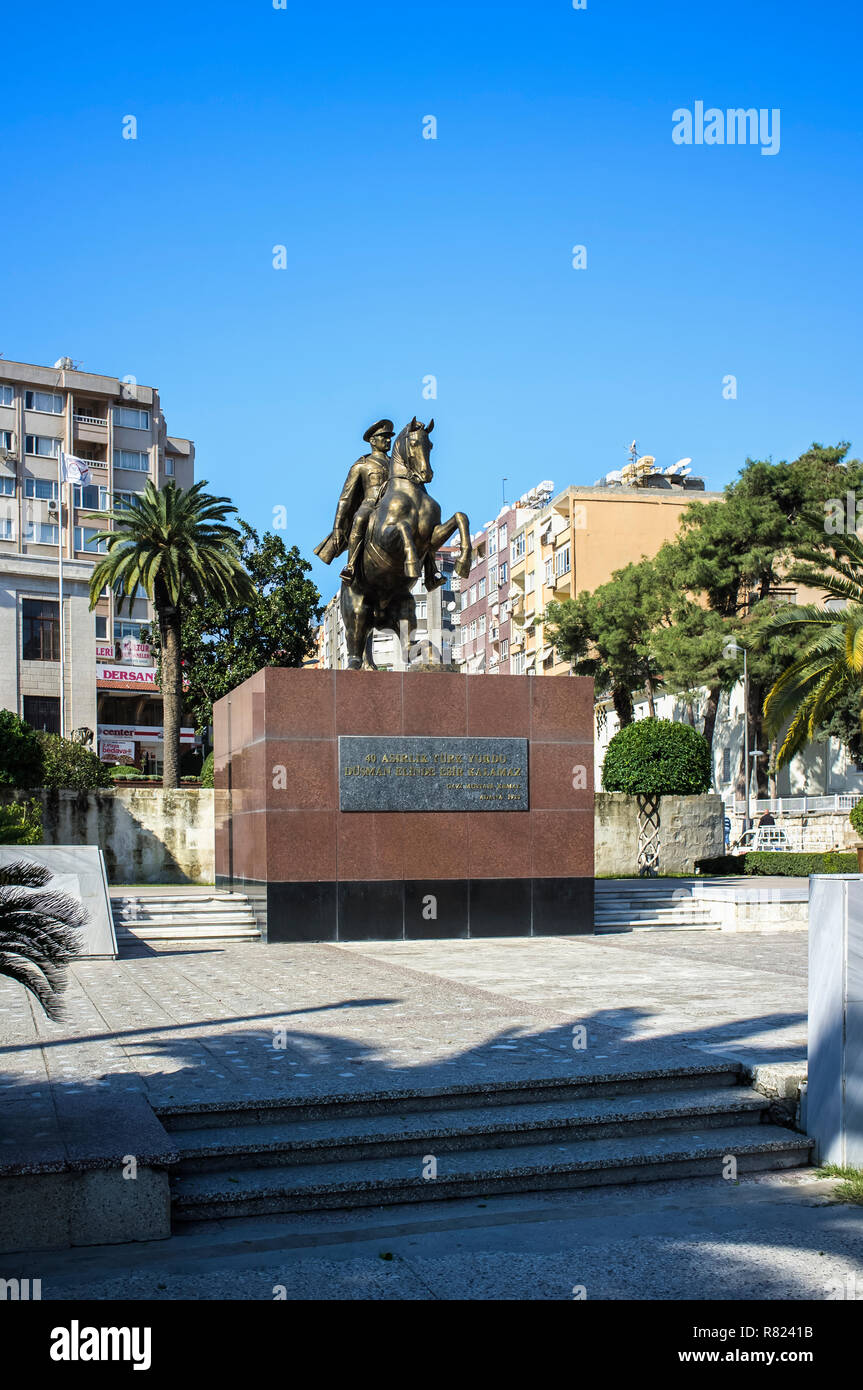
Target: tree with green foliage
{"points": [[226, 641], [735, 554], [20, 752], [827, 677], [176, 545], [21, 823], [606, 634], [70, 766]]}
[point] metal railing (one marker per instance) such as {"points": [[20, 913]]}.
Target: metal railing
{"points": [[798, 805], [91, 420]]}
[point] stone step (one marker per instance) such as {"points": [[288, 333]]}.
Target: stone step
{"points": [[624, 1158], [178, 1116], [180, 919], [219, 1149], [143, 932]]}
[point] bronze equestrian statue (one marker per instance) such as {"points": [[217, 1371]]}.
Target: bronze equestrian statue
{"points": [[391, 529]]}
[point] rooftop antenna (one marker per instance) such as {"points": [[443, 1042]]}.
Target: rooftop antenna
{"points": [[503, 483]]}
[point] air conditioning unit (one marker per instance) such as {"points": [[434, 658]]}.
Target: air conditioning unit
{"points": [[53, 507]]}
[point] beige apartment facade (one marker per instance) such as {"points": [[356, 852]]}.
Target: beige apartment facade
{"points": [[116, 426]]}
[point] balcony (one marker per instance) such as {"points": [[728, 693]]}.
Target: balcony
{"points": [[91, 429]]}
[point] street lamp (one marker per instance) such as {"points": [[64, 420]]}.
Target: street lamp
{"points": [[731, 649]]}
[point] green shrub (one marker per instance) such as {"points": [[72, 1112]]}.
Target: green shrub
{"points": [[207, 771], [799, 865], [657, 757], [70, 765], [21, 823], [856, 818], [124, 773], [20, 752]]}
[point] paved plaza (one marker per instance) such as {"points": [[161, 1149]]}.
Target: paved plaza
{"points": [[220, 1023], [201, 1023]]}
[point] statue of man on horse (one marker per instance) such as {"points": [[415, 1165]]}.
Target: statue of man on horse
{"points": [[391, 529]]}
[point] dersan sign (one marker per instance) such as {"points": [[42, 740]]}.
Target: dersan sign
{"points": [[392, 773]]}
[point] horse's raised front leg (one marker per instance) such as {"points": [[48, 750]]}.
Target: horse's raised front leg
{"points": [[441, 534], [409, 551]]}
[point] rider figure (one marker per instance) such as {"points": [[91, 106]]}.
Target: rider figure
{"points": [[361, 493]]}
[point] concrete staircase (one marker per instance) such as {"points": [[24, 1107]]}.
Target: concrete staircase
{"points": [[638, 904], [264, 1158], [180, 914]]}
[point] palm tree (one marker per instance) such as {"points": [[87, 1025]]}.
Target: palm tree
{"points": [[173, 543], [38, 936], [830, 669]]}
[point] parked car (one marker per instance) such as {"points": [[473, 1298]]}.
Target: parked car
{"points": [[760, 837]]}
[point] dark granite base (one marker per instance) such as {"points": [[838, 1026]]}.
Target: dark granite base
{"points": [[392, 910]]}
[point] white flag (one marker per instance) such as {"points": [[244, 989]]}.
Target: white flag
{"points": [[74, 470]]}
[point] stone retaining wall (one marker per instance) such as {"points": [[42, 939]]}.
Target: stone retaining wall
{"points": [[690, 829], [147, 835]]}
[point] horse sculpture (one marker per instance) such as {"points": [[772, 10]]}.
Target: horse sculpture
{"points": [[403, 530]]}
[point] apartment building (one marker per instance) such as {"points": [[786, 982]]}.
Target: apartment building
{"points": [[552, 546], [118, 427]]}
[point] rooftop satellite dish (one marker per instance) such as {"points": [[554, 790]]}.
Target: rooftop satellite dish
{"points": [[63, 364], [614, 476], [681, 464]]}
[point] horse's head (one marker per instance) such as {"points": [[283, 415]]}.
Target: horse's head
{"points": [[411, 451]]}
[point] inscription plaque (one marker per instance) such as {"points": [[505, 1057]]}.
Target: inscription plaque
{"points": [[419, 773]]}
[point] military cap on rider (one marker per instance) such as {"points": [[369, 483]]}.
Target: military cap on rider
{"points": [[379, 427]]}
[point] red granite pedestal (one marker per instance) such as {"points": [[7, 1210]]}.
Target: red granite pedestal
{"points": [[315, 873]]}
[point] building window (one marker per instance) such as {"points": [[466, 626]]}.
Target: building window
{"points": [[531, 543], [503, 572], [126, 499], [517, 548], [473, 593], [129, 627], [6, 440], [40, 630], [549, 570], [504, 649], [726, 764], [492, 542], [39, 533], [517, 664], [42, 446], [472, 631], [101, 627], [131, 419], [7, 528], [482, 620], [530, 582], [45, 489], [492, 578], [85, 538], [91, 498], [561, 561], [42, 713], [7, 486], [422, 608], [481, 587], [169, 466], [7, 394], [501, 536], [135, 459], [48, 402]]}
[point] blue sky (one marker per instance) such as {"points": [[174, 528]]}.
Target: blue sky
{"points": [[451, 257]]}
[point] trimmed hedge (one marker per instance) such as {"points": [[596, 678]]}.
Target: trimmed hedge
{"points": [[856, 818], [780, 863], [657, 757]]}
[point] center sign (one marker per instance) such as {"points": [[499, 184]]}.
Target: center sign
{"points": [[432, 774]]}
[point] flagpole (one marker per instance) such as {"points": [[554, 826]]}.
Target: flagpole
{"points": [[62, 623]]}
